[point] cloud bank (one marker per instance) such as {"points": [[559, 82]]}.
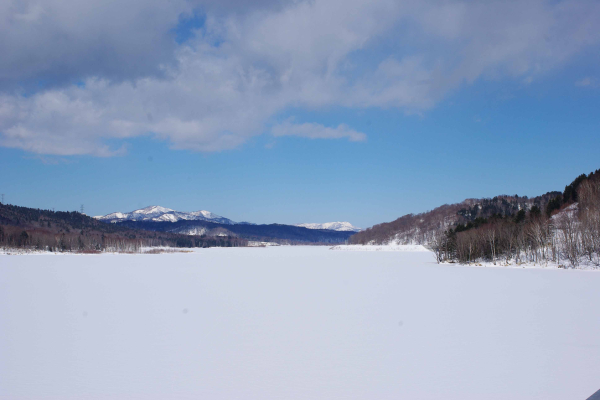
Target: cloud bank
{"points": [[75, 76], [317, 131]]}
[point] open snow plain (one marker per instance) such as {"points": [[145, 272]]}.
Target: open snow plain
{"points": [[293, 323]]}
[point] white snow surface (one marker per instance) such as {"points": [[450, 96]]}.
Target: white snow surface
{"points": [[383, 247], [333, 226], [160, 214], [293, 323]]}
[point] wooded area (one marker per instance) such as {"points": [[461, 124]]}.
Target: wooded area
{"points": [[566, 232], [34, 229], [561, 227]]}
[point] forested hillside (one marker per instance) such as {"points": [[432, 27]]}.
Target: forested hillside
{"points": [[22, 227], [420, 228], [29, 228], [557, 226], [271, 232]]}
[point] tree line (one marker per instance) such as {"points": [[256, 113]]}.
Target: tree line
{"points": [[566, 231], [28, 228], [421, 228], [95, 242]]}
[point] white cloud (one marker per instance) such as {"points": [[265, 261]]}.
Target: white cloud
{"points": [[587, 81], [246, 67], [62, 41], [317, 131]]}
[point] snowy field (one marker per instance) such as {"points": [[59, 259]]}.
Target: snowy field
{"points": [[293, 323], [377, 247]]}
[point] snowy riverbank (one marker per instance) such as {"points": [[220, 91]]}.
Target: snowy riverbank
{"points": [[588, 266]]}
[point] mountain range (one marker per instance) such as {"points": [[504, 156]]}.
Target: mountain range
{"points": [[203, 224], [163, 214]]}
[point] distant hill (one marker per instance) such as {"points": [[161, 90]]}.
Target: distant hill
{"points": [[207, 224], [271, 232], [24, 227], [420, 228], [452, 221], [333, 226]]}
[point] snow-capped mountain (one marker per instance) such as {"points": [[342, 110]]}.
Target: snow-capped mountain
{"points": [[163, 214], [332, 226]]}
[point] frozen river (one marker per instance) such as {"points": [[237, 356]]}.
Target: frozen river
{"points": [[293, 323]]}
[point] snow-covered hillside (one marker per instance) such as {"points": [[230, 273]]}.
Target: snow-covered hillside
{"points": [[191, 230], [163, 214], [420, 228], [332, 226]]}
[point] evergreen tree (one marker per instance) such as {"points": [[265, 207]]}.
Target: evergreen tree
{"points": [[520, 217], [570, 193], [535, 212], [553, 205]]}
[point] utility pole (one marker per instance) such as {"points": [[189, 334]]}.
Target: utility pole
{"points": [[2, 198], [82, 208]]}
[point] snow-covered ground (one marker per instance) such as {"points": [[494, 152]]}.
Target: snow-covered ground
{"points": [[376, 247], [293, 323], [500, 263]]}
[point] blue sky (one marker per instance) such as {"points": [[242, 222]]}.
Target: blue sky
{"points": [[360, 122]]}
